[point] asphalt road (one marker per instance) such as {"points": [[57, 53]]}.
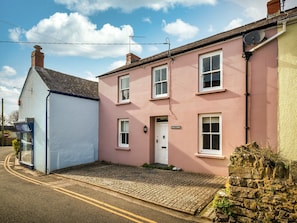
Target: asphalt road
{"points": [[61, 200]]}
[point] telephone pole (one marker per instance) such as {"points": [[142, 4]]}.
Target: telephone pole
{"points": [[2, 123]]}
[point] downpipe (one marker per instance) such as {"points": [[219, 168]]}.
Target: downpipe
{"points": [[247, 55]]}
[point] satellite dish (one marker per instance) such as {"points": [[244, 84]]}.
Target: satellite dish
{"points": [[254, 37]]}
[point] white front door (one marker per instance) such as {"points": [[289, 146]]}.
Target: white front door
{"points": [[161, 140]]}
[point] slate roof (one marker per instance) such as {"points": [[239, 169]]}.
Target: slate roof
{"points": [[68, 85]]}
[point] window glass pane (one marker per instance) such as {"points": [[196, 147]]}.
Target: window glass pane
{"points": [[124, 83], [125, 94], [205, 124], [216, 79], [157, 76], [206, 127], [206, 64], [164, 75], [164, 87], [215, 127], [206, 80], [215, 142], [124, 126], [216, 62], [206, 141], [158, 89], [122, 138]]}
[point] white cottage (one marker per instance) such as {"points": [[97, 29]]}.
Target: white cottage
{"points": [[58, 118]]}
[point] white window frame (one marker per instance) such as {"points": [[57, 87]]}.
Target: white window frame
{"points": [[160, 82], [210, 151], [124, 89], [202, 88], [121, 132]]}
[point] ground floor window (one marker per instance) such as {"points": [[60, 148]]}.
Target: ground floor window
{"points": [[123, 133], [210, 134]]}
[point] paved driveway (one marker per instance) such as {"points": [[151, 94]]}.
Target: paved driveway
{"points": [[177, 190]]}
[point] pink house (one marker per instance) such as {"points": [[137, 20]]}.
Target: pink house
{"points": [[191, 106]]}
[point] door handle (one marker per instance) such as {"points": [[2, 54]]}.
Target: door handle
{"points": [[164, 147]]}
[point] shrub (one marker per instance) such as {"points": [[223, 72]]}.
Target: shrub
{"points": [[222, 203]]}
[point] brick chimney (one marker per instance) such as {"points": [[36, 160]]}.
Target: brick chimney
{"points": [[273, 8], [131, 58], [37, 57]]}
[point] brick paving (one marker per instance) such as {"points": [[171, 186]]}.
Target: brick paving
{"points": [[177, 190]]}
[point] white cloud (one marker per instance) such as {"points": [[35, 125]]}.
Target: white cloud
{"points": [[233, 24], [117, 64], [7, 71], [147, 20], [10, 90], [16, 33], [10, 86], [88, 7], [90, 76], [180, 29], [108, 41], [10, 96]]}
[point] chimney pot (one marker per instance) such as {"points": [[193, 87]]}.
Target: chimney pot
{"points": [[37, 57], [273, 8]]}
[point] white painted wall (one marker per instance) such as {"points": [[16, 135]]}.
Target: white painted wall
{"points": [[73, 131], [33, 105], [72, 126]]}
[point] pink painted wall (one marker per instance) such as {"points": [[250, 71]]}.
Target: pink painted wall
{"points": [[184, 106]]}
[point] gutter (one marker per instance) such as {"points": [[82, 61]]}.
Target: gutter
{"points": [[247, 55], [271, 38]]}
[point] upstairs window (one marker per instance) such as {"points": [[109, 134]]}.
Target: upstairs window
{"points": [[210, 134], [124, 89], [160, 82], [210, 71], [123, 133]]}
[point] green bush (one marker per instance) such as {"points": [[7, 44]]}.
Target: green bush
{"points": [[223, 204], [16, 146]]}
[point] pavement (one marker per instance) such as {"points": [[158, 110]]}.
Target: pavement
{"points": [[181, 191]]}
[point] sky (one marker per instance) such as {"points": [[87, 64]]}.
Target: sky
{"points": [[87, 38]]}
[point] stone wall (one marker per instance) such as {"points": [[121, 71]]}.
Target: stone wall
{"points": [[261, 188]]}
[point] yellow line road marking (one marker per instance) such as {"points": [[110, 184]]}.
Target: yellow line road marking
{"points": [[99, 204], [108, 206], [101, 207]]}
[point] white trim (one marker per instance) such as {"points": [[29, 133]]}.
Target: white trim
{"points": [[201, 57], [200, 123], [154, 82], [120, 144], [122, 89]]}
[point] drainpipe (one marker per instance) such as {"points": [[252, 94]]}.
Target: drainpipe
{"points": [[247, 55], [46, 131]]}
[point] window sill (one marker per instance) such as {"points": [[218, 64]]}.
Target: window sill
{"points": [[211, 92], [209, 156], [160, 98], [123, 103], [123, 148]]}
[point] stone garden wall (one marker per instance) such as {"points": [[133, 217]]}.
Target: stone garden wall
{"points": [[261, 188]]}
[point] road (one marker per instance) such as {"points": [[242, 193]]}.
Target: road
{"points": [[27, 196]]}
